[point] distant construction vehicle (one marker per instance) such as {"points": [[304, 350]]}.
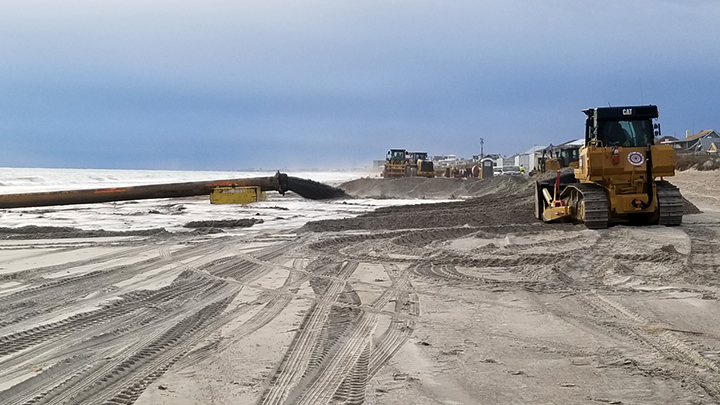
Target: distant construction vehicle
{"points": [[395, 163], [616, 175], [556, 158], [420, 165], [401, 163]]}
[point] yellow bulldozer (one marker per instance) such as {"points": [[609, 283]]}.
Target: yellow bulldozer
{"points": [[395, 164], [619, 176], [559, 157], [401, 163], [420, 165]]}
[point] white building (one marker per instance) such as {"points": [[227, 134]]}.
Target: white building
{"points": [[528, 158]]}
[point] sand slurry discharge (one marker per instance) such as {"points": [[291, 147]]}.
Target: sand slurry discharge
{"points": [[471, 301]]}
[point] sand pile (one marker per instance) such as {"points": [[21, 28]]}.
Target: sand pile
{"points": [[64, 232], [500, 201], [436, 188], [697, 162]]}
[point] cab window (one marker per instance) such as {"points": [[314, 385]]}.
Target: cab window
{"points": [[626, 133]]}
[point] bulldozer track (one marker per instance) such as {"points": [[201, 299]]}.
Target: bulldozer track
{"points": [[671, 203], [521, 260], [591, 205], [108, 273], [339, 362], [441, 255], [274, 302]]}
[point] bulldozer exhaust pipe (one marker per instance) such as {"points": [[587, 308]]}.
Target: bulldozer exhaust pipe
{"points": [[278, 182]]}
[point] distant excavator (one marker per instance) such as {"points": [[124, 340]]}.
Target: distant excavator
{"points": [[619, 176]]}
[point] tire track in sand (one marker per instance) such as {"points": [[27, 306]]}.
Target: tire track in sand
{"points": [[295, 364], [332, 357], [690, 364]]}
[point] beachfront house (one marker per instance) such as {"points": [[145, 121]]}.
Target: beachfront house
{"points": [[699, 142]]}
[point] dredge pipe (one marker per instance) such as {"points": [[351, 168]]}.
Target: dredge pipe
{"points": [[278, 183]]}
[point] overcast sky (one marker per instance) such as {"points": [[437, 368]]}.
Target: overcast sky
{"points": [[225, 85]]}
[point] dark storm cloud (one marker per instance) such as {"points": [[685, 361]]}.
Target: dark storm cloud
{"points": [[222, 84]]}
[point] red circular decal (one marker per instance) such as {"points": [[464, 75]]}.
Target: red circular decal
{"points": [[636, 158]]}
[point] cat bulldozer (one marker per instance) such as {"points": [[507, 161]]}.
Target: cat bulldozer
{"points": [[620, 174], [420, 165], [395, 164]]}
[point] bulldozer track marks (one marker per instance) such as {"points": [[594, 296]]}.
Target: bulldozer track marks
{"points": [[157, 320], [133, 302], [519, 260], [38, 272], [419, 238], [406, 302], [663, 341], [655, 257], [562, 244], [104, 378], [334, 354], [110, 347], [309, 346], [423, 238], [444, 272], [123, 381], [704, 259]]}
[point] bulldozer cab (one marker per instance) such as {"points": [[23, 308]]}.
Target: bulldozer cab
{"points": [[418, 156], [560, 158], [620, 126], [569, 156], [396, 155]]}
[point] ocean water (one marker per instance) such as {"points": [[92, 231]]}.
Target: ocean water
{"points": [[22, 180], [278, 212]]}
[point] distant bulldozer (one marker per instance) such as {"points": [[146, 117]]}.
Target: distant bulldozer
{"points": [[420, 165], [395, 164], [401, 163]]}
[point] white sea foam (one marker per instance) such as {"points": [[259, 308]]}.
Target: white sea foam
{"points": [[22, 180], [279, 211]]}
